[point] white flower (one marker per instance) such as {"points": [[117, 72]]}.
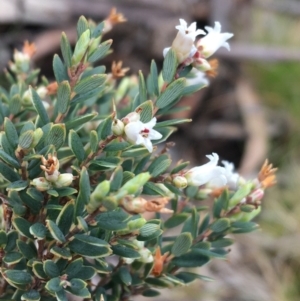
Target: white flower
{"points": [[138, 133], [190, 31], [207, 173], [183, 44], [214, 39], [198, 78], [231, 176]]}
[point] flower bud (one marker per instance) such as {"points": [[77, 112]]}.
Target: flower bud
{"points": [[27, 98], [97, 196], [41, 184], [146, 256], [180, 182], [118, 127], [136, 224], [136, 205], [131, 117], [64, 180], [53, 177], [42, 92]]}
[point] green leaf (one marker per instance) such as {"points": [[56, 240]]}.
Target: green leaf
{"points": [[176, 220], [26, 249], [150, 293], [105, 128], [77, 285], [149, 229], [66, 49], [89, 246], [61, 252], [94, 141], [8, 173], [220, 225], [22, 226], [11, 133], [182, 244], [188, 277], [17, 185], [31, 295], [142, 88], [65, 218], [84, 192], [125, 275], [146, 111], [59, 69], [3, 238], [56, 135], [51, 269], [12, 237], [156, 234], [242, 192], [55, 231], [191, 259], [112, 220], [116, 179], [39, 107], [166, 132], [77, 123], [90, 83], [100, 52], [191, 89], [243, 227], [76, 146], [220, 203], [74, 267], [115, 146], [12, 258], [54, 285], [153, 80], [38, 230], [97, 31], [191, 224], [15, 104], [63, 96], [26, 139], [159, 165], [169, 66], [81, 47], [135, 151], [180, 167], [172, 122], [17, 277], [8, 159], [136, 183], [105, 163], [123, 251], [82, 26], [38, 270], [151, 188], [172, 92], [35, 204], [204, 224]]}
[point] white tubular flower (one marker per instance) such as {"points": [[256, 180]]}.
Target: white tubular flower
{"points": [[198, 78], [231, 176], [214, 39], [190, 31], [138, 133], [183, 44], [207, 173]]}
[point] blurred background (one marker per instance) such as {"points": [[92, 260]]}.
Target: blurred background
{"points": [[251, 111]]}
